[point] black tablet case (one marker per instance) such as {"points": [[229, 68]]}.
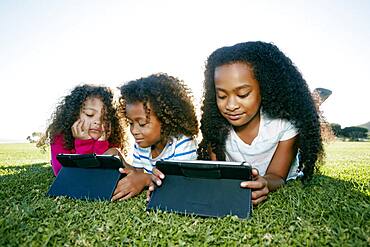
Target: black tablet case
{"points": [[210, 189], [86, 176]]}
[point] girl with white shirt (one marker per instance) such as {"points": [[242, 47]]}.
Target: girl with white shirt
{"points": [[258, 108]]}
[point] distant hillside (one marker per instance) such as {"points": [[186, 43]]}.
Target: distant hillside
{"points": [[365, 125]]}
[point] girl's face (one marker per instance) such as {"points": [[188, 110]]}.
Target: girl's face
{"points": [[92, 115], [147, 132], [238, 93]]}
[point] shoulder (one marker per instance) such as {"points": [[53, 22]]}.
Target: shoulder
{"points": [[57, 139], [281, 128], [184, 141]]}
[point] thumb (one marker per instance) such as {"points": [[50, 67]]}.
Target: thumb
{"points": [[255, 173], [123, 170]]}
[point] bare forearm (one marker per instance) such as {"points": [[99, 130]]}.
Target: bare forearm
{"points": [[274, 182]]}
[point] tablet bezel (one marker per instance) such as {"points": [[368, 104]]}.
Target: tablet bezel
{"points": [[90, 161], [206, 169]]}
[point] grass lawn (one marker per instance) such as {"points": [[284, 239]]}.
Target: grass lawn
{"points": [[334, 209]]}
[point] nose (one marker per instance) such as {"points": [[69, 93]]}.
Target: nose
{"points": [[232, 104], [134, 130]]}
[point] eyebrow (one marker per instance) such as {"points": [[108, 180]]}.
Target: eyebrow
{"points": [[235, 89], [89, 108]]}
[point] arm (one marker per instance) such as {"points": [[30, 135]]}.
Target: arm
{"points": [[276, 172], [57, 148], [132, 184], [135, 180], [100, 147]]}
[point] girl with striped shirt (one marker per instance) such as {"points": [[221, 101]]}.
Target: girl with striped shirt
{"points": [[162, 120]]}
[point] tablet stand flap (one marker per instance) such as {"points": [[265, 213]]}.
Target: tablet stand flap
{"points": [[87, 161], [200, 172]]}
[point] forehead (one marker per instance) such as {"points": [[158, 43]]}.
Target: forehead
{"points": [[234, 75], [136, 110], [93, 103]]}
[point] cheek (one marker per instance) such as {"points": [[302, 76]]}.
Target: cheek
{"points": [[220, 105]]}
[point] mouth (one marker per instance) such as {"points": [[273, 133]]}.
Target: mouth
{"points": [[234, 117], [95, 130], [139, 140]]}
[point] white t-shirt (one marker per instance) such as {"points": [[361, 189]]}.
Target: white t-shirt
{"points": [[182, 148], [260, 152]]}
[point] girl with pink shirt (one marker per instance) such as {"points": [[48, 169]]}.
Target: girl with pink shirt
{"points": [[86, 121]]}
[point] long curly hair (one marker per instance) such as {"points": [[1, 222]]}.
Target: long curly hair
{"points": [[68, 111], [284, 94], [169, 98]]}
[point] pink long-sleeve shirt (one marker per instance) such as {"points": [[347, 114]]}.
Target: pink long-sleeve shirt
{"points": [[81, 147]]}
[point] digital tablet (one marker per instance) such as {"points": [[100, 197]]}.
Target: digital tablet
{"points": [[86, 176], [203, 188]]}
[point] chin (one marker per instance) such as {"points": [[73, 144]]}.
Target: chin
{"points": [[238, 123], [95, 137]]}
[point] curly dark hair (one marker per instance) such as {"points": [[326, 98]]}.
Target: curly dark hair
{"points": [[284, 94], [169, 98], [68, 111]]}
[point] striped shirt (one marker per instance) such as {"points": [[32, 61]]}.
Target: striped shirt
{"points": [[181, 148]]}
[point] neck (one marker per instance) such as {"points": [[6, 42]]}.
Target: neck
{"points": [[249, 131], [157, 148]]}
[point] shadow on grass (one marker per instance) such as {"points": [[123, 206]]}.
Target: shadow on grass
{"points": [[23, 167]]}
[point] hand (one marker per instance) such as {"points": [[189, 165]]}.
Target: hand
{"points": [[259, 187], [131, 185], [105, 133], [156, 178], [78, 130]]}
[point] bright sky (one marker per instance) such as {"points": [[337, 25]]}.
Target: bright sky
{"points": [[49, 47]]}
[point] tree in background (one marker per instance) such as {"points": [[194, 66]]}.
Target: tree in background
{"points": [[354, 133], [319, 95], [337, 129], [34, 137]]}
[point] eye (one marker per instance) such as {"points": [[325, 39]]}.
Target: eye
{"points": [[221, 96], [142, 124], [89, 114], [244, 95]]}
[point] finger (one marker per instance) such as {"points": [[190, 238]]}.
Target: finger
{"points": [[75, 123], [129, 195], [252, 184], [151, 187], [156, 180], [255, 172], [259, 200], [74, 127], [148, 193], [121, 170], [259, 193], [118, 188], [80, 125], [127, 170], [158, 173], [118, 196], [120, 191]]}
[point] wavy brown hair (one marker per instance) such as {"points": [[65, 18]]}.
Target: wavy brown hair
{"points": [[284, 94], [169, 98], [68, 111]]}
